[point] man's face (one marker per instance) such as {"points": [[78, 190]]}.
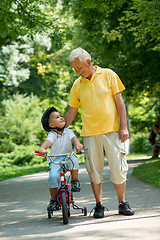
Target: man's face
{"points": [[83, 68]]}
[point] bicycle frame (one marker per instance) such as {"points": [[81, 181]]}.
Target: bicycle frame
{"points": [[64, 187], [64, 195]]}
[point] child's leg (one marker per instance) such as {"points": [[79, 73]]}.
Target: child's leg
{"points": [[73, 166], [53, 182], [53, 193], [74, 174]]}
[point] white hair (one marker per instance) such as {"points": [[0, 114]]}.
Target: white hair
{"points": [[79, 53]]}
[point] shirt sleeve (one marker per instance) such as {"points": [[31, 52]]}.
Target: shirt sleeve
{"points": [[70, 133], [51, 137], [73, 97], [116, 84]]}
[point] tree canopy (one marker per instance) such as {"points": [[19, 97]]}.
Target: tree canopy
{"points": [[122, 35], [36, 37]]}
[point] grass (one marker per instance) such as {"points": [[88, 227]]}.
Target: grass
{"points": [[16, 171], [149, 172]]}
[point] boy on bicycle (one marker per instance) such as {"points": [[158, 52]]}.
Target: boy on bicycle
{"points": [[60, 140]]}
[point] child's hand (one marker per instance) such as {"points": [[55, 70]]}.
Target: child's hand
{"points": [[41, 150], [79, 147]]}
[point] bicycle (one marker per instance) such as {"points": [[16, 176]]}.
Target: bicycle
{"points": [[64, 194]]}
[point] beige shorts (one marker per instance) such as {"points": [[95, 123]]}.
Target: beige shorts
{"points": [[110, 146]]}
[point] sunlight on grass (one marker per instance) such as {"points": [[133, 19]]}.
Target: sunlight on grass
{"points": [[12, 171], [149, 172]]}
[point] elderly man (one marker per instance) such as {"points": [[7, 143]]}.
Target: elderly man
{"points": [[98, 93]]}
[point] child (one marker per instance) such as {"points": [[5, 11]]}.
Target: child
{"points": [[60, 140]]}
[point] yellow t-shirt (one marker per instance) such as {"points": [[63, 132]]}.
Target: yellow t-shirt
{"points": [[95, 98]]}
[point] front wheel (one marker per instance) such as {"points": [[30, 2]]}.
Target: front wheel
{"points": [[64, 207]]}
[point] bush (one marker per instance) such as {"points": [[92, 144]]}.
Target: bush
{"points": [[140, 143], [20, 122], [21, 156]]}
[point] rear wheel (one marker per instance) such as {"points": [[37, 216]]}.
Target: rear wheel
{"points": [[64, 208]]}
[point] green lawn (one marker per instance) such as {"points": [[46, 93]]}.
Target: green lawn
{"points": [[15, 171], [148, 172]]}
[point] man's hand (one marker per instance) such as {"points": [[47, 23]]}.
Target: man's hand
{"points": [[123, 135]]}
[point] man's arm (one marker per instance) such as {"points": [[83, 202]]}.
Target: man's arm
{"points": [[70, 115], [123, 131]]}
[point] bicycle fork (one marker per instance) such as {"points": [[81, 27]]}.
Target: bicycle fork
{"points": [[63, 188]]}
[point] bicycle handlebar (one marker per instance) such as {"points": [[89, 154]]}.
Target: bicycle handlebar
{"points": [[55, 156]]}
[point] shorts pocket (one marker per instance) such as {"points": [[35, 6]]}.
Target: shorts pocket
{"points": [[87, 162], [124, 165]]}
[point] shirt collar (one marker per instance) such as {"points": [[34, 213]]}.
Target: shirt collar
{"points": [[64, 132], [98, 71]]}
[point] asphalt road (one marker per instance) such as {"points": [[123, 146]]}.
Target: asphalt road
{"points": [[23, 214]]}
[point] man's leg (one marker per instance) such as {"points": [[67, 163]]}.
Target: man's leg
{"points": [[97, 190], [118, 166], [94, 159], [120, 189], [99, 208], [123, 207]]}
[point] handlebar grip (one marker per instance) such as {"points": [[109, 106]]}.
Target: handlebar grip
{"points": [[41, 155], [36, 151]]}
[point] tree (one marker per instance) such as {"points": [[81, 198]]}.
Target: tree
{"points": [[142, 19], [111, 31], [29, 17]]}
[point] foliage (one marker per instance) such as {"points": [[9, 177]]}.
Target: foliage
{"points": [[20, 18], [13, 60], [142, 19], [36, 37], [20, 121], [8, 170], [51, 83], [140, 143], [144, 112], [149, 172], [112, 43], [20, 155]]}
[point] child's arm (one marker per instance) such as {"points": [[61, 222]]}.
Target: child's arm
{"points": [[77, 144], [44, 147]]}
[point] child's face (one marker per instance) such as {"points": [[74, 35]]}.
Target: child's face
{"points": [[56, 120]]}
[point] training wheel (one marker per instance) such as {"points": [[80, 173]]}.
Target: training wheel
{"points": [[85, 211], [69, 212], [49, 215]]}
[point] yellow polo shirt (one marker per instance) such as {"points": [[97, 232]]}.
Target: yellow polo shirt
{"points": [[95, 98]]}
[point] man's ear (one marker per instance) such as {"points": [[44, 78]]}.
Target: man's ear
{"points": [[89, 62]]}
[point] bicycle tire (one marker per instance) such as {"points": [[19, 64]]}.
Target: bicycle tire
{"points": [[64, 208]]}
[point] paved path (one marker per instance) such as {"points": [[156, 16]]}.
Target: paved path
{"points": [[23, 213]]}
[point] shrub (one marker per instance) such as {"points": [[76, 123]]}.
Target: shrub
{"points": [[140, 143], [20, 121], [21, 156]]}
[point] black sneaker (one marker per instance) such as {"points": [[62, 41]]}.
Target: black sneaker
{"points": [[52, 206], [125, 209], [75, 185], [99, 211]]}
